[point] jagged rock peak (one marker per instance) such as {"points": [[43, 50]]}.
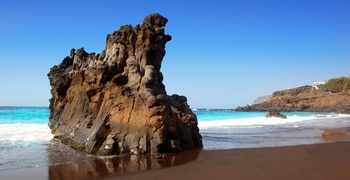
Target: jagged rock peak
{"points": [[115, 102]]}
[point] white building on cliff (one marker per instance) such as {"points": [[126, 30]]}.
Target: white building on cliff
{"points": [[316, 84]]}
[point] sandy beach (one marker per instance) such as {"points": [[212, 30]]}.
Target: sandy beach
{"points": [[330, 160], [318, 161], [322, 161]]}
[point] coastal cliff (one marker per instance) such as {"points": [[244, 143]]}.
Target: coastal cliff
{"points": [[306, 98], [115, 102]]}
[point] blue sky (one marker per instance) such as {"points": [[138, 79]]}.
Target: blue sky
{"points": [[223, 54]]}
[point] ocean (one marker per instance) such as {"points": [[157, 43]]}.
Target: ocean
{"points": [[26, 140], [224, 129]]}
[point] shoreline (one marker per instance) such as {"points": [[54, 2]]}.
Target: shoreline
{"points": [[316, 161], [328, 160]]}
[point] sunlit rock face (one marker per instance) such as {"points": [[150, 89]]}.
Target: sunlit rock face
{"points": [[115, 102], [305, 98]]}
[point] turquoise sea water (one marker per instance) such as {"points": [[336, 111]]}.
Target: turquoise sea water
{"points": [[26, 140], [224, 129]]}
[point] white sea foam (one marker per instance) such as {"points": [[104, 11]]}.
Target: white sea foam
{"points": [[253, 132], [291, 121], [250, 122], [19, 132], [343, 115]]}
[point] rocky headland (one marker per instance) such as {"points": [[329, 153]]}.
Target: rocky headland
{"points": [[306, 98], [115, 102]]}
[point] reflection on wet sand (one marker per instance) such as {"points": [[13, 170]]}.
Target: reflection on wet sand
{"points": [[101, 167], [335, 134]]}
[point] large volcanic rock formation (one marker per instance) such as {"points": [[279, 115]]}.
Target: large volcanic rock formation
{"points": [[115, 102]]}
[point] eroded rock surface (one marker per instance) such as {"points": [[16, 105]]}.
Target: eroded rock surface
{"points": [[115, 102]]}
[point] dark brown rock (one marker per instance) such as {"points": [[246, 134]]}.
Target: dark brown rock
{"points": [[275, 113], [115, 102]]}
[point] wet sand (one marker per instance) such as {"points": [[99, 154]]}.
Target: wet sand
{"points": [[329, 160], [335, 134], [318, 161], [321, 161]]}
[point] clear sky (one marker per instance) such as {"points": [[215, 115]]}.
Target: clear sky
{"points": [[223, 53]]}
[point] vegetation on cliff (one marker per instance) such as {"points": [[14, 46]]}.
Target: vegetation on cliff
{"points": [[336, 85]]}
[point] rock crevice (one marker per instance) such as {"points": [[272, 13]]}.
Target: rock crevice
{"points": [[115, 102]]}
